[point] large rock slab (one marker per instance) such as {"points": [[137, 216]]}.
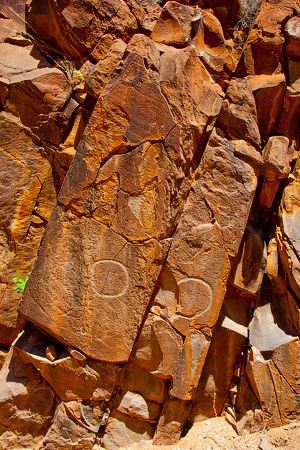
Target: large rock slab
{"points": [[75, 29], [118, 218], [28, 196]]}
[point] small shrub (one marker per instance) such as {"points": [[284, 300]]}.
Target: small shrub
{"points": [[20, 283]]}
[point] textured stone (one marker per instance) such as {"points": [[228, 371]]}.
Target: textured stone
{"points": [[75, 29], [123, 430], [18, 9], [129, 200], [214, 50], [135, 405], [27, 403], [66, 433], [158, 347], [39, 97], [101, 72], [171, 421], [268, 91], [278, 158], [186, 377], [288, 121], [69, 378], [174, 25], [16, 60], [264, 54], [249, 266], [292, 29], [271, 325], [225, 353], [139, 380], [238, 112], [260, 377], [27, 198]]}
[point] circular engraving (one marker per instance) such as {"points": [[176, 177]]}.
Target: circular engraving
{"points": [[195, 296], [110, 278]]}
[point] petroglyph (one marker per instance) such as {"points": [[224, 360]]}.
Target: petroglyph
{"points": [[110, 278], [196, 296]]}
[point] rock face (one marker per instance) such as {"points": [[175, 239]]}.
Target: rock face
{"points": [[150, 193]]}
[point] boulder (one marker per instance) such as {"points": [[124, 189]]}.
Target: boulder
{"points": [[66, 433], [28, 196], [73, 30], [292, 30], [27, 403], [174, 26], [268, 92], [122, 430]]}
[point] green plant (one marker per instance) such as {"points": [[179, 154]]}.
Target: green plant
{"points": [[68, 67], [20, 283]]}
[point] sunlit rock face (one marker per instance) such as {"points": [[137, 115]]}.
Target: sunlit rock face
{"points": [[150, 193]]}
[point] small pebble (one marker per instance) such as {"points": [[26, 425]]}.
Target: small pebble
{"points": [[207, 422]]}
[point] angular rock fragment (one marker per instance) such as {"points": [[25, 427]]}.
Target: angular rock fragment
{"points": [[69, 378], [171, 421], [238, 113], [65, 430], [137, 379], [16, 60], [101, 72], [269, 92], [292, 28], [158, 347], [74, 29], [214, 50], [28, 196], [123, 430], [135, 405], [174, 26], [248, 268], [224, 355], [27, 403]]}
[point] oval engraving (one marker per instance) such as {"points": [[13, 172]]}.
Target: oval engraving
{"points": [[110, 278]]}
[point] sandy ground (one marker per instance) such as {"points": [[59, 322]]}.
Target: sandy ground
{"points": [[216, 434]]}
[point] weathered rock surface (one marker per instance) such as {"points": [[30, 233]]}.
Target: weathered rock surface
{"points": [[158, 141]]}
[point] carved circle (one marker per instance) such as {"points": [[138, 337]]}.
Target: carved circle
{"points": [[196, 296], [110, 278]]}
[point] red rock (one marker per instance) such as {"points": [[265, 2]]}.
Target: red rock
{"points": [[264, 54], [238, 113], [101, 72], [65, 429], [13, 9], [9, 29], [158, 347], [69, 378], [278, 158], [122, 430], [75, 29], [28, 196], [186, 377], [249, 266], [139, 380], [174, 25], [214, 50], [27, 402], [288, 121], [19, 60], [170, 424], [268, 91], [49, 90], [135, 405], [292, 29]]}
